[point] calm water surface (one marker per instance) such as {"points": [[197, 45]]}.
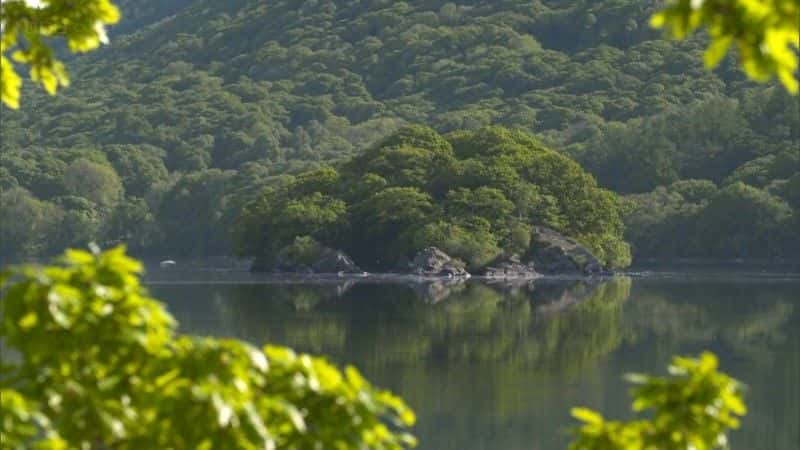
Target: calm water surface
{"points": [[499, 366]]}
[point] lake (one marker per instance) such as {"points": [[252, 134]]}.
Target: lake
{"points": [[498, 366]]}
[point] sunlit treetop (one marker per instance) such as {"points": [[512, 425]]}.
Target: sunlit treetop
{"points": [[766, 33], [27, 28]]}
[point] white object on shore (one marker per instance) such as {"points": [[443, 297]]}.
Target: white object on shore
{"points": [[167, 263]]}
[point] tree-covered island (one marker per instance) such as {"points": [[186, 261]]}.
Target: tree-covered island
{"points": [[476, 195]]}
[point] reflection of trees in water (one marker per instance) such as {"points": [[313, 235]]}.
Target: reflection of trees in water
{"points": [[540, 324], [738, 316], [513, 346], [755, 327], [498, 342], [547, 324]]}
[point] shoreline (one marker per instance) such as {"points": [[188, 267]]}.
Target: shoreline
{"points": [[210, 275]]}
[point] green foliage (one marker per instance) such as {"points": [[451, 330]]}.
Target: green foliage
{"points": [[140, 168], [693, 408], [762, 171], [393, 211], [707, 140], [196, 207], [133, 223], [488, 203], [303, 251], [474, 194], [789, 190], [715, 142], [741, 220], [95, 182], [274, 218], [694, 191], [27, 26], [694, 218], [765, 33], [27, 225], [99, 363], [473, 242]]}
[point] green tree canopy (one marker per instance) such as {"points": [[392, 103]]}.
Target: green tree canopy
{"points": [[27, 225], [96, 182]]}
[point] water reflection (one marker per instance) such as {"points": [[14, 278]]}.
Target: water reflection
{"points": [[497, 366], [528, 324]]}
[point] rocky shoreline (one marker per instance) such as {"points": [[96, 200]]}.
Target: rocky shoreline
{"points": [[551, 254]]}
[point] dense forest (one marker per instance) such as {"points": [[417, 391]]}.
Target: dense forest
{"points": [[199, 106]]}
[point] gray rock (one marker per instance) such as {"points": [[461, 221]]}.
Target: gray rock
{"points": [[326, 261], [511, 269], [432, 262], [553, 253], [335, 261]]}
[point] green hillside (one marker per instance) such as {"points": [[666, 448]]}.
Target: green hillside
{"points": [[197, 105]]}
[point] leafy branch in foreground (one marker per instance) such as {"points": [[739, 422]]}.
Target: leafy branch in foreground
{"points": [[96, 363], [765, 33], [25, 25], [692, 409]]}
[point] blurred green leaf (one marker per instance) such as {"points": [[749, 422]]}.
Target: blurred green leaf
{"points": [[694, 407], [765, 33], [101, 363]]}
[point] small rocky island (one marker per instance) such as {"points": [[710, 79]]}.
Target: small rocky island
{"points": [[492, 202]]}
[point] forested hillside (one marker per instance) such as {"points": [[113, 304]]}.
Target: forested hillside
{"points": [[199, 105]]}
